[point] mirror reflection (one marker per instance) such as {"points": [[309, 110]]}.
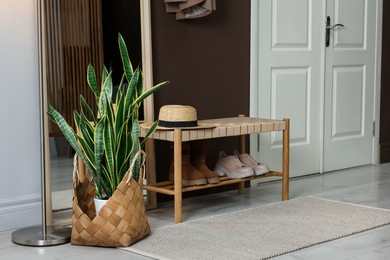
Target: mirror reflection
{"points": [[78, 33]]}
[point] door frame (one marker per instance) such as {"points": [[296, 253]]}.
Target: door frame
{"points": [[377, 85], [254, 78]]}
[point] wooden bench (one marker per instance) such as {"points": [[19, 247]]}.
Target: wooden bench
{"points": [[224, 127]]}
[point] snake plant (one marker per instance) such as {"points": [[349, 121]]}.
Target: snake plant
{"points": [[108, 142]]}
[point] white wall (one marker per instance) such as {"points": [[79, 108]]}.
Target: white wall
{"points": [[19, 115]]}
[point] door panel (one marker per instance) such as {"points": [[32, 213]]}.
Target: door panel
{"points": [[289, 80], [355, 35], [287, 34], [287, 83], [349, 85]]}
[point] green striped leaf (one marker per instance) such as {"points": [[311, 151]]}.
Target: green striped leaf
{"points": [[87, 125], [128, 108], [109, 87], [85, 107], [109, 148], [85, 132], [68, 133], [108, 184], [136, 147], [120, 90], [127, 66], [149, 133], [110, 116], [124, 167], [89, 154], [99, 151], [121, 147], [140, 84], [107, 84], [119, 115], [104, 73], [150, 91], [91, 79]]}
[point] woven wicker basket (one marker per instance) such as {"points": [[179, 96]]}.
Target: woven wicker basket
{"points": [[121, 221]]}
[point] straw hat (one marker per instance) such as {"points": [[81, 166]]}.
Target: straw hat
{"points": [[177, 116]]}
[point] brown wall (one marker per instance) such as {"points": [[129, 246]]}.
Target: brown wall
{"points": [[206, 61], [117, 15], [385, 89]]}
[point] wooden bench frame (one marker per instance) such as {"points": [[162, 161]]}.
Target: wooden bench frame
{"points": [[235, 126]]}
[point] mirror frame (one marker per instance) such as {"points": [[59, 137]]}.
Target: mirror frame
{"points": [[147, 67]]}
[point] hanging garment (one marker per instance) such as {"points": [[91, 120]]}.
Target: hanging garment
{"points": [[190, 9]]}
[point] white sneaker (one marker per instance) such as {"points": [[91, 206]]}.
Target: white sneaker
{"points": [[247, 160], [232, 167]]}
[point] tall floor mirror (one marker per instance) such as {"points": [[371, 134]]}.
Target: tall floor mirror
{"points": [[76, 33]]}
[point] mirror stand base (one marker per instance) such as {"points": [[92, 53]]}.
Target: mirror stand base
{"points": [[34, 236]]}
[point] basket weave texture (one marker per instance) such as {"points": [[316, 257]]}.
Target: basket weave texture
{"points": [[120, 222]]}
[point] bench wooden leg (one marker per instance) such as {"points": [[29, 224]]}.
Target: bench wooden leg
{"points": [[241, 149], [177, 154]]}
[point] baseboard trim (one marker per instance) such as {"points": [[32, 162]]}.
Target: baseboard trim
{"points": [[20, 212]]}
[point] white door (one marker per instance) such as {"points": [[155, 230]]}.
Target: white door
{"points": [[349, 84], [289, 79], [327, 92]]}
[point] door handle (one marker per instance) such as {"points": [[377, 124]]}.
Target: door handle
{"points": [[330, 27]]}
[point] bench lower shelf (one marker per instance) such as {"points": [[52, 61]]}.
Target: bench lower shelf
{"points": [[167, 187]]}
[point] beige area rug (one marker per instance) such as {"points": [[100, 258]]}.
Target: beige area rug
{"points": [[261, 232]]}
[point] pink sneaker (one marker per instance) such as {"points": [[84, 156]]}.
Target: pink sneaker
{"points": [[232, 167], [247, 160]]}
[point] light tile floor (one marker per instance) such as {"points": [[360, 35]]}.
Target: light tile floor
{"points": [[367, 185]]}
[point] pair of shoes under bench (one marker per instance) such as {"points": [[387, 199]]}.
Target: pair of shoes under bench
{"points": [[232, 167], [247, 160], [238, 166]]}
